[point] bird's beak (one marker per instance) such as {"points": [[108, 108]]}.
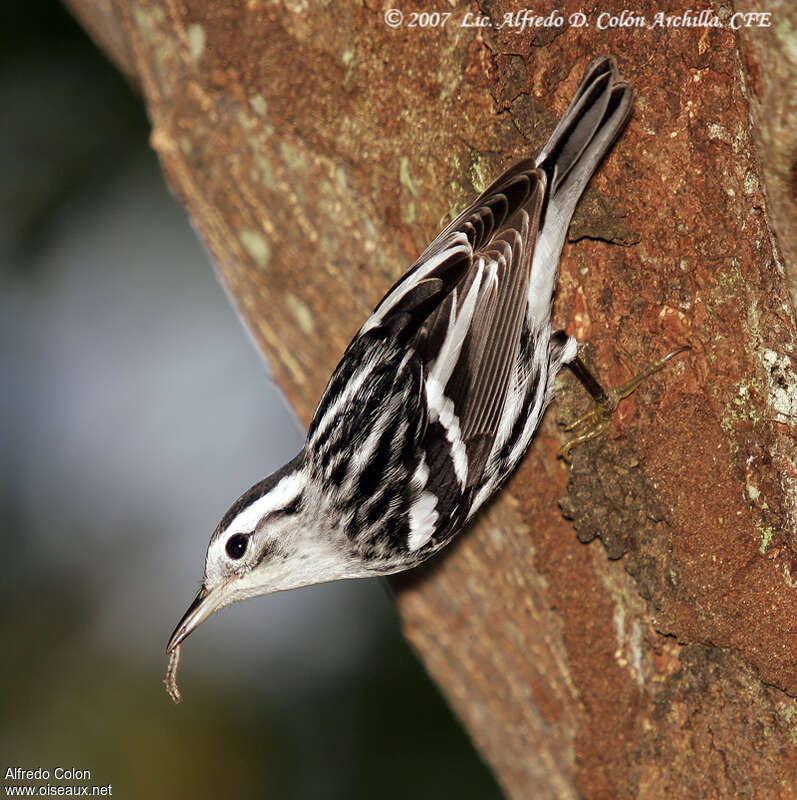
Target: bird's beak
{"points": [[205, 603]]}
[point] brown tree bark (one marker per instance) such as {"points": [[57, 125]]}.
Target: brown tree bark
{"points": [[628, 626]]}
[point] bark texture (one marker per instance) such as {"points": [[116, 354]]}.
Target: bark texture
{"points": [[626, 627]]}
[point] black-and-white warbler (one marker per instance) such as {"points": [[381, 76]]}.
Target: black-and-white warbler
{"points": [[437, 398]]}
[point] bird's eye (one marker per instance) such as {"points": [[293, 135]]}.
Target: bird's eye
{"points": [[236, 545]]}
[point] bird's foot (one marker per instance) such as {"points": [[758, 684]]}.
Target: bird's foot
{"points": [[595, 421]]}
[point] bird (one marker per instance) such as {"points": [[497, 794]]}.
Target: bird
{"points": [[438, 396]]}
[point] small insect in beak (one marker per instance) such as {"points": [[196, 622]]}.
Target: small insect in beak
{"points": [[203, 605]]}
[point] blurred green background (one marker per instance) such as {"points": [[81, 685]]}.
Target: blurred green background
{"points": [[134, 410]]}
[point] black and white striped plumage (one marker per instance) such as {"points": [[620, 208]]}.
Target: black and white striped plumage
{"points": [[439, 394]]}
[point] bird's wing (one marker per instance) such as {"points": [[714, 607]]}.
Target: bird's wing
{"points": [[461, 306]]}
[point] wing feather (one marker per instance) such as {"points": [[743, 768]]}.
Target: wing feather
{"points": [[462, 305]]}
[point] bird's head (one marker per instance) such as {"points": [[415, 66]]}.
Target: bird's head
{"points": [[271, 539]]}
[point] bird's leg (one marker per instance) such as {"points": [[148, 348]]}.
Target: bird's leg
{"points": [[595, 421]]}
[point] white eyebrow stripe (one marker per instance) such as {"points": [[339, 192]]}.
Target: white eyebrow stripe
{"points": [[279, 496]]}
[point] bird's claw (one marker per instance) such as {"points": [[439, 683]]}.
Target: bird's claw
{"points": [[595, 421]]}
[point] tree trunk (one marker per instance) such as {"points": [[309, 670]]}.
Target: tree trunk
{"points": [[626, 626]]}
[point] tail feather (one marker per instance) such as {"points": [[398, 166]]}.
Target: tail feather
{"points": [[593, 120]]}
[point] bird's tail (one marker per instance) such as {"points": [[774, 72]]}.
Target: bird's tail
{"points": [[593, 120]]}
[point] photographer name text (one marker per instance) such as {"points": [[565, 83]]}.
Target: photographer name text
{"points": [[36, 783], [526, 19]]}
